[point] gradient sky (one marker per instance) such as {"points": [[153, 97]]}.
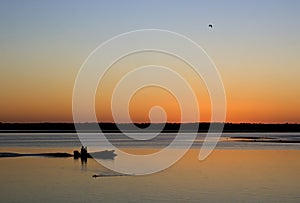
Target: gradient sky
{"points": [[254, 44]]}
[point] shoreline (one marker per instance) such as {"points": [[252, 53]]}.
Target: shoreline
{"points": [[142, 127]]}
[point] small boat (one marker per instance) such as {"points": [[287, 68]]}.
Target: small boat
{"points": [[106, 154]]}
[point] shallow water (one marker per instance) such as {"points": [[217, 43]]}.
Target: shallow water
{"points": [[71, 140], [236, 171], [225, 176]]}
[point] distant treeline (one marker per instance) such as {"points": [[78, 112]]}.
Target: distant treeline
{"points": [[168, 127]]}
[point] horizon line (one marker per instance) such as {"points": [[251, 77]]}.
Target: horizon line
{"points": [[238, 123]]}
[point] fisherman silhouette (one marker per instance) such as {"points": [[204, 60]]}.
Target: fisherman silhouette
{"points": [[83, 151], [83, 155]]}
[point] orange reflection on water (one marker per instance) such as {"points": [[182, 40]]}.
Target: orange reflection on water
{"points": [[226, 175]]}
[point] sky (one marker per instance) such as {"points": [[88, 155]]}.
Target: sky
{"points": [[254, 44]]}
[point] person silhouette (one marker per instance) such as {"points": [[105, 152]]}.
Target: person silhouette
{"points": [[83, 155]]}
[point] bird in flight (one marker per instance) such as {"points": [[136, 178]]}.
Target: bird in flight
{"points": [[210, 26]]}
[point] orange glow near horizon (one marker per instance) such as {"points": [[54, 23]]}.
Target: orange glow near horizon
{"points": [[252, 105], [150, 96], [249, 99], [143, 101], [56, 106]]}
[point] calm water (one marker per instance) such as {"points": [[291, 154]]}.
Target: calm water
{"points": [[237, 171], [67, 140]]}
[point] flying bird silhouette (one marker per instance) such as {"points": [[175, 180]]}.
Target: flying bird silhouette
{"points": [[210, 25]]}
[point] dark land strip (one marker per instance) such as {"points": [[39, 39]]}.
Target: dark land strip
{"points": [[168, 127]]}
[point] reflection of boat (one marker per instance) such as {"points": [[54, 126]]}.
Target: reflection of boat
{"points": [[106, 154]]}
